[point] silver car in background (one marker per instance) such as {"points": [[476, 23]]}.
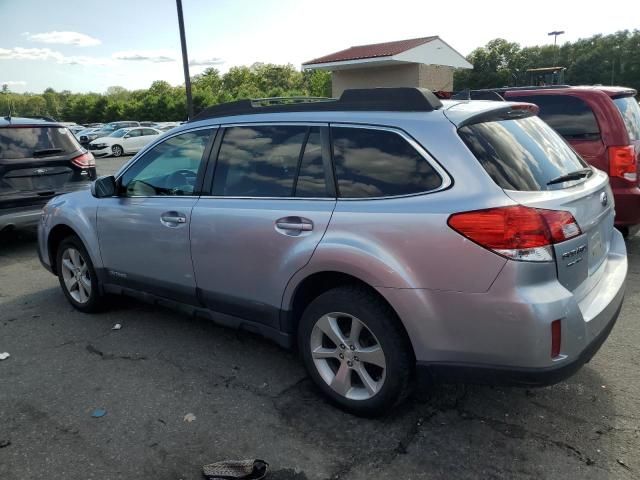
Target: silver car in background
{"points": [[384, 235]]}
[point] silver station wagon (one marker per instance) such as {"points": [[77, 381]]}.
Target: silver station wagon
{"points": [[384, 235]]}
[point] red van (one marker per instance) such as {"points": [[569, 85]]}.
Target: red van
{"points": [[603, 126]]}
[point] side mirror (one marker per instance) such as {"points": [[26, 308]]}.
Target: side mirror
{"points": [[127, 136], [104, 187]]}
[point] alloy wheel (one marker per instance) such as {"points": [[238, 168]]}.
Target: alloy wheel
{"points": [[116, 150], [348, 356], [75, 273]]}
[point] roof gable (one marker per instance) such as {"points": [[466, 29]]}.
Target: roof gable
{"points": [[374, 50]]}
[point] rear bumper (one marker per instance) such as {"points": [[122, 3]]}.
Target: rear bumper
{"points": [[514, 376], [22, 217], [627, 206], [504, 335]]}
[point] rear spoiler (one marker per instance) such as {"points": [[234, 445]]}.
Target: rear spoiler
{"points": [[510, 111]]}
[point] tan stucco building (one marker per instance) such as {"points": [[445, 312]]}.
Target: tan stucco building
{"points": [[426, 62]]}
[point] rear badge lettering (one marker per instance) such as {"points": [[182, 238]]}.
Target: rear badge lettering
{"points": [[571, 254]]}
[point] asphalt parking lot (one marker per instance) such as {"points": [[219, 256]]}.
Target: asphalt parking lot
{"points": [[251, 399]]}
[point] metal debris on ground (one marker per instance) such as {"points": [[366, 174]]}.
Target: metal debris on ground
{"points": [[189, 417], [4, 355], [117, 326], [98, 412], [240, 469]]}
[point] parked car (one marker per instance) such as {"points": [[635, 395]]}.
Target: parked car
{"points": [[148, 124], [603, 125], [104, 131], [38, 160], [76, 129], [123, 141], [384, 234]]}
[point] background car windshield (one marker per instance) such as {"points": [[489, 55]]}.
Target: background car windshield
{"points": [[630, 111], [23, 142], [524, 154], [119, 133]]}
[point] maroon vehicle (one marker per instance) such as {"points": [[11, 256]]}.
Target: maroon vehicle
{"points": [[602, 124]]}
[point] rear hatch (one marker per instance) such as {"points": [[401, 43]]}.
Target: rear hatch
{"points": [[38, 162], [536, 168]]}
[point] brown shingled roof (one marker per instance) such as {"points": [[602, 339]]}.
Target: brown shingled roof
{"points": [[374, 50]]}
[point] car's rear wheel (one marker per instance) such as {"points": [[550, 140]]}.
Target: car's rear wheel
{"points": [[355, 350], [77, 276], [116, 150]]}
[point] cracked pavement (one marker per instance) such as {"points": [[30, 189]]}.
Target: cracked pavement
{"points": [[253, 400]]}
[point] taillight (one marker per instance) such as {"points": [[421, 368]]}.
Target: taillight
{"points": [[517, 232], [622, 163], [86, 160]]}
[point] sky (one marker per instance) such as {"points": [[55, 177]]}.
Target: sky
{"points": [[89, 45]]}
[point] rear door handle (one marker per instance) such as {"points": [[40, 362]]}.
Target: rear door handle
{"points": [[173, 218], [295, 223]]}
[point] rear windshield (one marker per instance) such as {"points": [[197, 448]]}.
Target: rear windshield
{"points": [[570, 116], [29, 142], [524, 154], [630, 111]]}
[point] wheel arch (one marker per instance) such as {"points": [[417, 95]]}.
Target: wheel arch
{"points": [[314, 285], [55, 237]]}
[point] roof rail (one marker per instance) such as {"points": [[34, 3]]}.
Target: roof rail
{"points": [[510, 89], [405, 99]]}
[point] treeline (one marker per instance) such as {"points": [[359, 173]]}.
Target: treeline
{"points": [[601, 59], [163, 102]]}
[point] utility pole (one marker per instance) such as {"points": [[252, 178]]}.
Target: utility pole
{"points": [[555, 34], [185, 60]]}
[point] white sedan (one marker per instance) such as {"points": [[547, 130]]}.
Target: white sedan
{"points": [[123, 141]]}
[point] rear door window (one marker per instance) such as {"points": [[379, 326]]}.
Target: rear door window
{"points": [[259, 161], [630, 111], [30, 142], [570, 116], [379, 163], [524, 154]]}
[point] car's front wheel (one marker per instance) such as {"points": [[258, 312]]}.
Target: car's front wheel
{"points": [[355, 350], [117, 151], [77, 276]]}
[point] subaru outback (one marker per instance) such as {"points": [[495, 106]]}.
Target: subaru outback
{"points": [[385, 235]]}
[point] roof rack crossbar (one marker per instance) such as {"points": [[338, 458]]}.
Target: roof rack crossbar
{"points": [[403, 99]]}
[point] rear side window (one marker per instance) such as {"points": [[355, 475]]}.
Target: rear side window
{"points": [[259, 161], [570, 116], [524, 154], [379, 163], [29, 142], [630, 111]]}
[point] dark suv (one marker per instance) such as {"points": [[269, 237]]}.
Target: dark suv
{"points": [[603, 125], [38, 160]]}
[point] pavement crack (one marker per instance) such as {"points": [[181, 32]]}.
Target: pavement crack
{"points": [[110, 356]]}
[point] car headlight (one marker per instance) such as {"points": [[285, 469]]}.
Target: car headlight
{"points": [[100, 145]]}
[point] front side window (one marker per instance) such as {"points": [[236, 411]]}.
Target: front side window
{"points": [[379, 163], [136, 132], [169, 168], [258, 161]]}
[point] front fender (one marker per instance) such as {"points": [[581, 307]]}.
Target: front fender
{"points": [[78, 211]]}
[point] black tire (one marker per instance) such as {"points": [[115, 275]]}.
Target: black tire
{"points": [[383, 323], [117, 151], [95, 301]]}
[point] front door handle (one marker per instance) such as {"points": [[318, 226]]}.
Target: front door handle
{"points": [[173, 218], [295, 223]]}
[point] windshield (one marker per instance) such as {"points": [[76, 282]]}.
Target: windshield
{"points": [[119, 133], [630, 111], [524, 154], [27, 142]]}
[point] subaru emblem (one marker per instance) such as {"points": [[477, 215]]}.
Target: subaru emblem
{"points": [[604, 199]]}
